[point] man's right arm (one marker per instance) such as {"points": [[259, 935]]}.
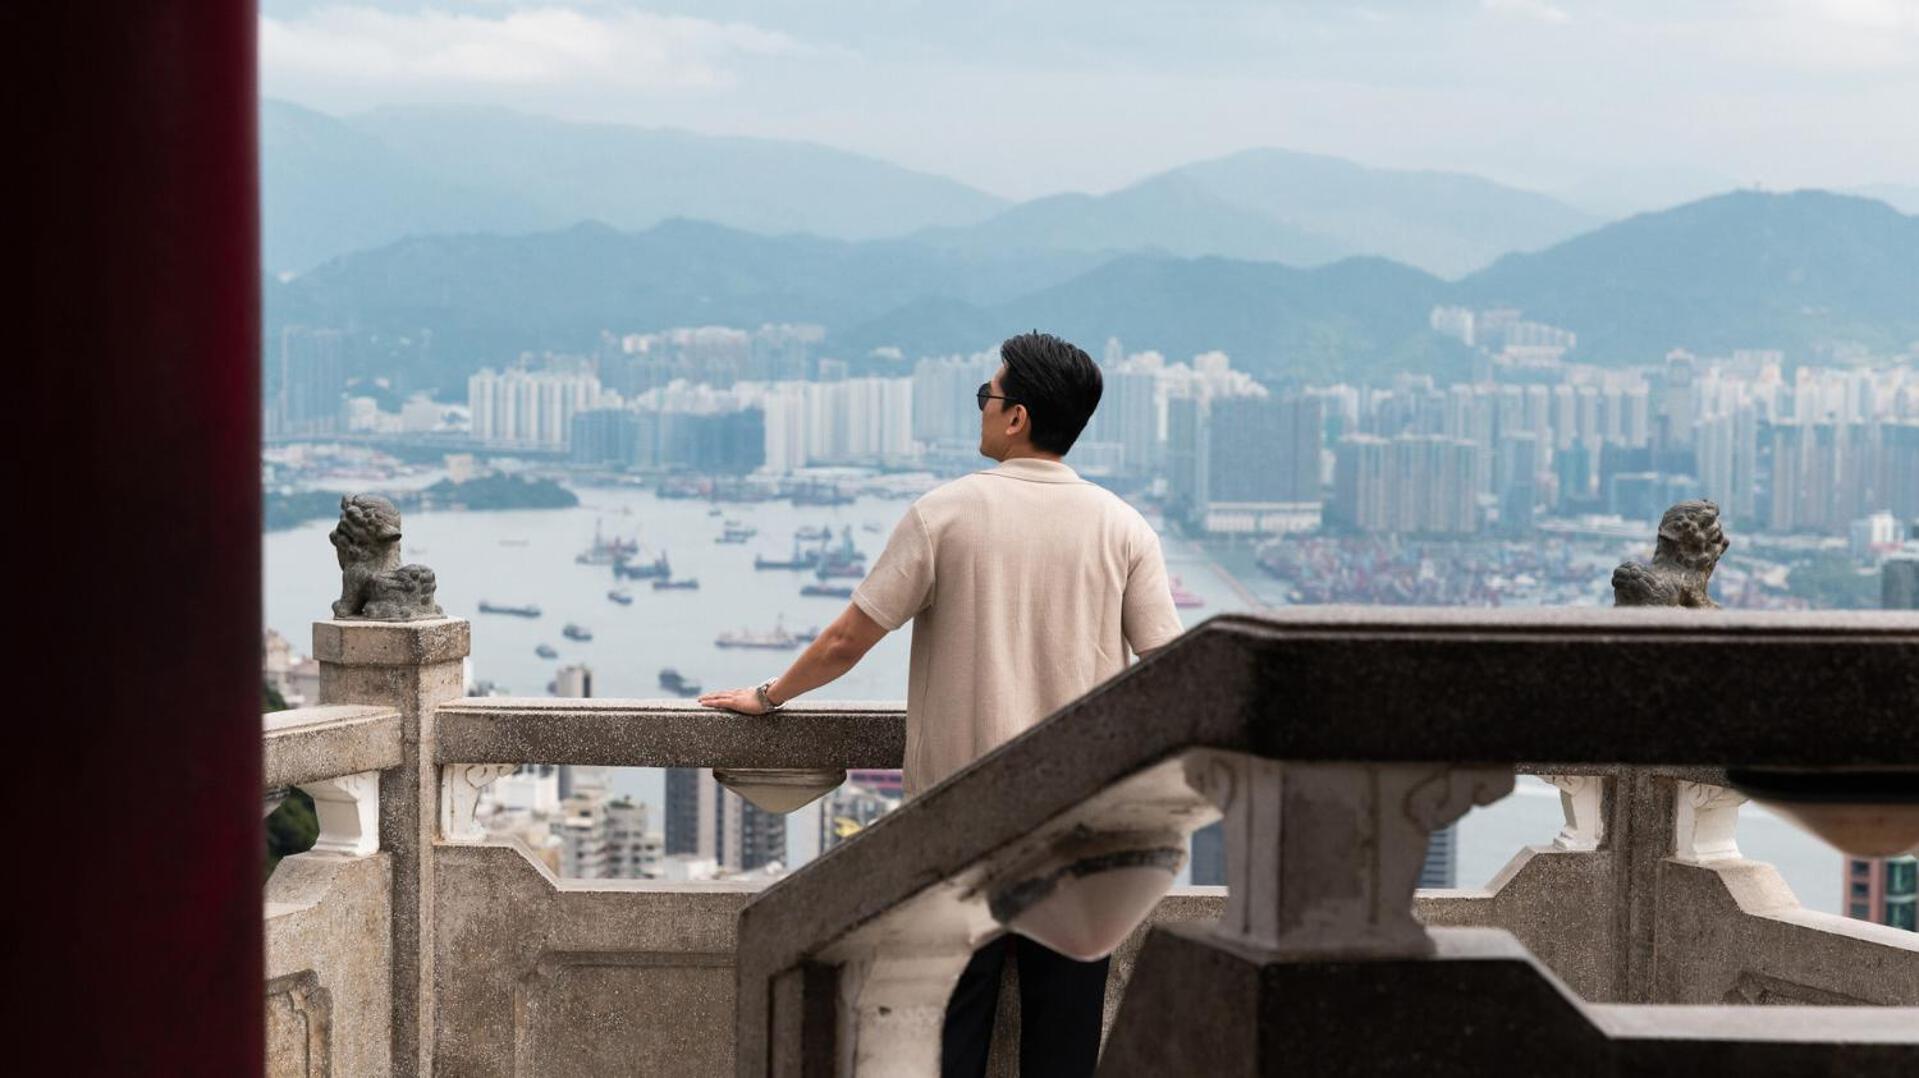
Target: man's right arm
{"points": [[1147, 615]]}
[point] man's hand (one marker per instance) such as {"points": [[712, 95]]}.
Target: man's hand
{"points": [[831, 654], [744, 701]]}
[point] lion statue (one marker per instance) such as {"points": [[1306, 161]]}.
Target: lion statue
{"points": [[1690, 543], [373, 583]]}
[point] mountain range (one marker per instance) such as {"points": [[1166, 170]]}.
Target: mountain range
{"points": [[332, 185], [1283, 206], [1809, 272]]}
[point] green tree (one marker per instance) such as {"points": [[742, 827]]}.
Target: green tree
{"points": [[293, 827]]}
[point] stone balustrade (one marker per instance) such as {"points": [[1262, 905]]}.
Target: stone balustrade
{"points": [[1333, 742], [328, 912], [411, 942]]}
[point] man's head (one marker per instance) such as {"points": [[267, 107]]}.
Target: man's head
{"points": [[1040, 398]]}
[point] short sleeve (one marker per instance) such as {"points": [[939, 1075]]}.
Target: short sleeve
{"points": [[1147, 615], [900, 583]]}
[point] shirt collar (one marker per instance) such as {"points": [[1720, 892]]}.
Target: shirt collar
{"points": [[1036, 470]]}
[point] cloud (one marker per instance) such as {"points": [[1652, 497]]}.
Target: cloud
{"points": [[526, 47], [1534, 10]]}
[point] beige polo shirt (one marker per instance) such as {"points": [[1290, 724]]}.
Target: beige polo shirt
{"points": [[1026, 586]]}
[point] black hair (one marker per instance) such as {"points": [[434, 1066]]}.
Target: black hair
{"points": [[1058, 383]]}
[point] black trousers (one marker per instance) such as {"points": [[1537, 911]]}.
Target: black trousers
{"points": [[1060, 1000]]}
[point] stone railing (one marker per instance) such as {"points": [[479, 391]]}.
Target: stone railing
{"points": [[410, 941], [328, 911], [1334, 742]]}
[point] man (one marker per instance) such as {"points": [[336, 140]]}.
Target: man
{"points": [[1026, 585]]}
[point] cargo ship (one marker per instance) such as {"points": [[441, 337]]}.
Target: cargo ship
{"points": [[844, 560], [657, 569], [576, 632], [621, 596], [607, 551], [801, 559], [672, 681], [777, 639], [527, 611], [691, 583], [828, 591], [546, 651]]}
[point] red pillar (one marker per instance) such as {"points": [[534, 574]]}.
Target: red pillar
{"points": [[134, 827]]}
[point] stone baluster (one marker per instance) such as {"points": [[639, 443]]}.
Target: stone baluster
{"points": [[1322, 859], [1582, 800], [1705, 822], [348, 809], [460, 788], [412, 667], [892, 1003]]}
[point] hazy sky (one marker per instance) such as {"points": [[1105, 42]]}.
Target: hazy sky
{"points": [[1622, 101]]}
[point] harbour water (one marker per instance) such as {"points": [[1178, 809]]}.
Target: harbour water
{"points": [[517, 557]]}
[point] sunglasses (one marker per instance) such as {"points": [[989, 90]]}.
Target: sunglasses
{"points": [[986, 394]]}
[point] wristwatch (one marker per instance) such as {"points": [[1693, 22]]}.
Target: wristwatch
{"points": [[766, 702]]}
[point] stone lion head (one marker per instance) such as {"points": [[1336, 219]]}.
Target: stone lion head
{"points": [[369, 526], [1689, 534]]}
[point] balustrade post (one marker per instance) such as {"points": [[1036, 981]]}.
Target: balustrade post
{"points": [[1582, 800], [348, 809], [1322, 859], [412, 667]]}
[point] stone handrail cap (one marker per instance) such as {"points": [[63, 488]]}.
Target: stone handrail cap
{"points": [[352, 642]]}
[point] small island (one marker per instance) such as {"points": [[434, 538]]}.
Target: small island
{"points": [[496, 491], [284, 510]]}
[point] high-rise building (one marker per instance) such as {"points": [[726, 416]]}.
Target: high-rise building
{"points": [[1185, 418], [1900, 468], [853, 421], [945, 409], [707, 821], [1263, 449], [1413, 484], [1899, 583], [632, 851], [308, 382], [1130, 409], [605, 437], [533, 409], [1883, 890], [1441, 868], [582, 833]]}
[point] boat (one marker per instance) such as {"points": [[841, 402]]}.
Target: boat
{"points": [[1183, 599], [819, 494], [777, 639], [576, 632], [682, 488], [844, 560], [607, 551], [691, 583], [808, 635], [672, 681], [810, 534], [876, 529], [621, 596], [713, 512], [527, 611], [736, 532], [801, 559], [656, 569], [828, 591], [546, 651]]}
